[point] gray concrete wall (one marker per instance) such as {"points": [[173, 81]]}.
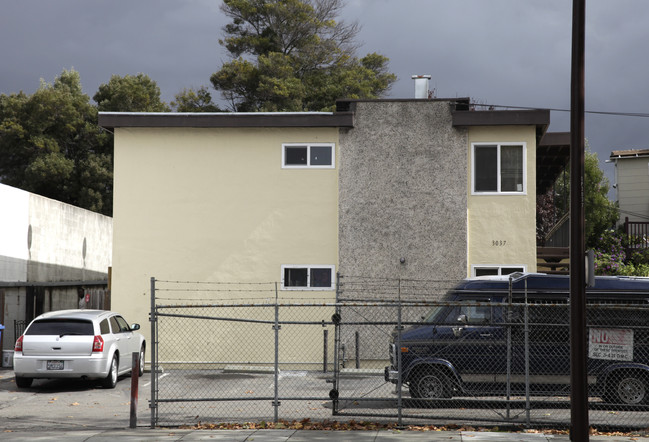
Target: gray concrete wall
{"points": [[45, 241], [403, 186]]}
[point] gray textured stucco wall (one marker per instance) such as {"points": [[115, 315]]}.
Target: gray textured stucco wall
{"points": [[403, 180]]}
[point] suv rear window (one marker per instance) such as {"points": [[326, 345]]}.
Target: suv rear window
{"points": [[61, 327]]}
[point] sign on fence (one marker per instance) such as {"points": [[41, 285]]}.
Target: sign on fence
{"points": [[611, 344]]}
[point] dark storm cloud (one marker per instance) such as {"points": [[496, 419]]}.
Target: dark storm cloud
{"points": [[505, 52]]}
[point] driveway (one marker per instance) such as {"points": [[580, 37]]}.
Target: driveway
{"points": [[70, 404]]}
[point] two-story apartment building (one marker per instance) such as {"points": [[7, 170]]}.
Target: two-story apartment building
{"points": [[412, 189]]}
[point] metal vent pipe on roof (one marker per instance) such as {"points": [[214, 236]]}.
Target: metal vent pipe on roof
{"points": [[421, 85]]}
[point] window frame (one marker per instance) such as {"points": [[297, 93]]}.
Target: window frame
{"points": [[498, 146], [499, 267], [308, 164], [308, 287]]}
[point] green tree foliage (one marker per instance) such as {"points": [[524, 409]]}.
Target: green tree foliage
{"points": [[293, 55], [194, 100], [50, 144], [617, 254], [601, 214], [130, 93]]}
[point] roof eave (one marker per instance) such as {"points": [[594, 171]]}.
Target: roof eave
{"points": [[111, 120]]}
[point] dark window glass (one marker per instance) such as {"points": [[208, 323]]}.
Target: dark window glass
{"points": [[123, 325], [320, 277], [114, 325], [510, 270], [104, 328], [486, 168], [295, 156], [321, 155], [61, 327], [295, 277], [486, 271], [511, 168]]}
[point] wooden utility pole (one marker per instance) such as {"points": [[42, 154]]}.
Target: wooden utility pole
{"points": [[578, 339]]}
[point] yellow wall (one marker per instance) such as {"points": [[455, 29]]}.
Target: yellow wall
{"points": [[502, 228], [216, 205]]}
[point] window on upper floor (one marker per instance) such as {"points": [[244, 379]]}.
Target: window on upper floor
{"points": [[486, 270], [307, 277], [320, 156], [498, 168]]}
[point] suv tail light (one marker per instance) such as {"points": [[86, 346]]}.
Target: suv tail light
{"points": [[19, 344], [98, 344]]}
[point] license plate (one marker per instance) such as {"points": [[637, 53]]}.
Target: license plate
{"points": [[55, 365]]}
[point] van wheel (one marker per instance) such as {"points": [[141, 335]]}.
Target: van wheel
{"points": [[111, 380], [22, 382], [627, 387], [430, 383]]}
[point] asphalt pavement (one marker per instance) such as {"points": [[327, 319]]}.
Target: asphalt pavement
{"points": [[76, 411]]}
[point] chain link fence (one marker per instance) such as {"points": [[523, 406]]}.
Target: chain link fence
{"points": [[387, 351]]}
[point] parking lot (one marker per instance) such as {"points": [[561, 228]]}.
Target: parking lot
{"points": [[69, 404], [221, 396]]}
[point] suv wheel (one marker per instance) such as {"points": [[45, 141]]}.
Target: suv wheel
{"points": [[430, 383], [22, 382], [111, 380], [141, 361]]}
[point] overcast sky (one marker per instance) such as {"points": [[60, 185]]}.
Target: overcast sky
{"points": [[502, 52]]}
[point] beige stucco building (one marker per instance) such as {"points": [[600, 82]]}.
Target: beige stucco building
{"points": [[400, 189]]}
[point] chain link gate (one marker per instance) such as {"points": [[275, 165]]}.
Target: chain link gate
{"points": [[508, 363], [256, 360], [254, 357]]}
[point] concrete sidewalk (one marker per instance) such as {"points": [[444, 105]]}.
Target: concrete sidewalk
{"points": [[160, 434]]}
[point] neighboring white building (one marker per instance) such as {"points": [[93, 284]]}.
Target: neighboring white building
{"points": [[52, 256], [632, 183]]}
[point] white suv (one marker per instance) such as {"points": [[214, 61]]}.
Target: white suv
{"points": [[86, 344]]}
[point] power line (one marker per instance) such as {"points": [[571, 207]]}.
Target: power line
{"points": [[620, 114]]}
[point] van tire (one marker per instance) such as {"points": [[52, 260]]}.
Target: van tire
{"points": [[627, 387], [430, 383]]}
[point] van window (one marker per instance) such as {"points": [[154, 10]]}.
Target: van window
{"points": [[476, 314]]}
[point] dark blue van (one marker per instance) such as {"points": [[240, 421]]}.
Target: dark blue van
{"points": [[511, 334]]}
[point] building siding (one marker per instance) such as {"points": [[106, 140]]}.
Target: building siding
{"points": [[502, 228], [403, 181]]}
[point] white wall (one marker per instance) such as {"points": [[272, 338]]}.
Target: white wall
{"points": [[41, 241], [14, 224]]}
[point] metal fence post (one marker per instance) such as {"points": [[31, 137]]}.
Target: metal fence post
{"points": [[333, 394], [527, 359], [276, 327], [509, 345], [324, 356], [358, 353], [398, 362], [153, 402]]}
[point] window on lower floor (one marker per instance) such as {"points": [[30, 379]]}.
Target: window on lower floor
{"points": [[308, 155], [496, 270], [498, 168], [307, 277]]}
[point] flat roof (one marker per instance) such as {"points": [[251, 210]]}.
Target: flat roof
{"points": [[535, 117], [111, 120], [630, 153]]}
